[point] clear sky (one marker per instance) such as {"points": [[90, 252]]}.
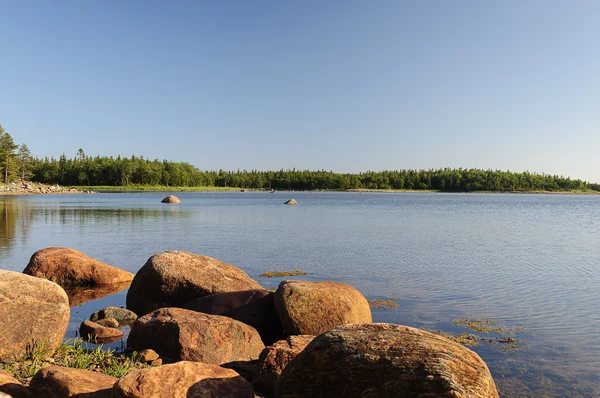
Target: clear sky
{"points": [[339, 85]]}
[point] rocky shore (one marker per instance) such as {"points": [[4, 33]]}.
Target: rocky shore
{"points": [[201, 327], [30, 188]]}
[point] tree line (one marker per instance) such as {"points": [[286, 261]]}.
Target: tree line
{"points": [[16, 163]]}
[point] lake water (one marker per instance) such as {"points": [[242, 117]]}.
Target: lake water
{"points": [[523, 261]]}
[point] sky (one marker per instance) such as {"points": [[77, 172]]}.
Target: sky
{"points": [[340, 85]]}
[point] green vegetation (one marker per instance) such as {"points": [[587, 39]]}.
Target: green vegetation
{"points": [[73, 354], [382, 304], [276, 274], [138, 173]]}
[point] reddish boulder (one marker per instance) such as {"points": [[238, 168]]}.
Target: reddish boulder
{"points": [[385, 360], [91, 331], [315, 307], [182, 335], [59, 382], [11, 386], [69, 267], [183, 379], [171, 199], [173, 278], [33, 311], [274, 359], [253, 307]]}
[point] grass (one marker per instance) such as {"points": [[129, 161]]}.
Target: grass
{"points": [[276, 274], [74, 354]]}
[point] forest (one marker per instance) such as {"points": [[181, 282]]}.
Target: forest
{"points": [[17, 164]]}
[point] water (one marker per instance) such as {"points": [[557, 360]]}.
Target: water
{"points": [[527, 261]]}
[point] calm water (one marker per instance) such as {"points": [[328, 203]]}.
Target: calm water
{"points": [[527, 261]]}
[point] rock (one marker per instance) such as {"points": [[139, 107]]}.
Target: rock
{"points": [[147, 355], [173, 278], [122, 315], [69, 267], [253, 307], [33, 311], [108, 322], [82, 294], [60, 382], [177, 334], [385, 360], [183, 379], [171, 199], [274, 359], [156, 362], [91, 331], [315, 307], [291, 202], [11, 386]]}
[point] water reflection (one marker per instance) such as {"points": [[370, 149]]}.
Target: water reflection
{"points": [[82, 294], [15, 222]]}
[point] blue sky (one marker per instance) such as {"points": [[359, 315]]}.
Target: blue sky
{"points": [[338, 85]]}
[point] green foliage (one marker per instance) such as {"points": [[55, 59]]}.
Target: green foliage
{"points": [[8, 164], [137, 171]]}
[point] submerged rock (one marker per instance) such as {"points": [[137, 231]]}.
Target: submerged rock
{"points": [[34, 314], [69, 267], [385, 360], [171, 199], [291, 202], [183, 335], [315, 307], [173, 278], [183, 379], [122, 315]]}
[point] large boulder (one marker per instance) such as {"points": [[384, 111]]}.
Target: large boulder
{"points": [[173, 278], [315, 307], [11, 386], [177, 334], [253, 307], [274, 359], [60, 382], [385, 360], [69, 267], [183, 379], [171, 199], [34, 314]]}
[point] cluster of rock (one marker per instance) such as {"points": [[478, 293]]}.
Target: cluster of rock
{"points": [[27, 188], [208, 329]]}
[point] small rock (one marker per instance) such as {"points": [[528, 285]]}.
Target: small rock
{"points": [[108, 322], [147, 355], [94, 332], [122, 315], [183, 379], [171, 199], [156, 362], [291, 202]]}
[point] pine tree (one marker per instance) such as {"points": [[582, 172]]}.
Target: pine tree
{"points": [[25, 162], [7, 155]]}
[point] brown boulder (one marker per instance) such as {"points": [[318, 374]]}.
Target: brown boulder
{"points": [[315, 307], [33, 312], [59, 382], [11, 386], [171, 199], [173, 278], [69, 267], [108, 322], [183, 335], [253, 307], [183, 379], [91, 331], [274, 359], [385, 360]]}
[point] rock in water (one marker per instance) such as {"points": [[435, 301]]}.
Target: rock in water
{"points": [[291, 202], [183, 379], [69, 267], [173, 278], [11, 386], [94, 332], [253, 307], [122, 315], [171, 199], [34, 313], [59, 382], [385, 360], [315, 307], [183, 335], [274, 359]]}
